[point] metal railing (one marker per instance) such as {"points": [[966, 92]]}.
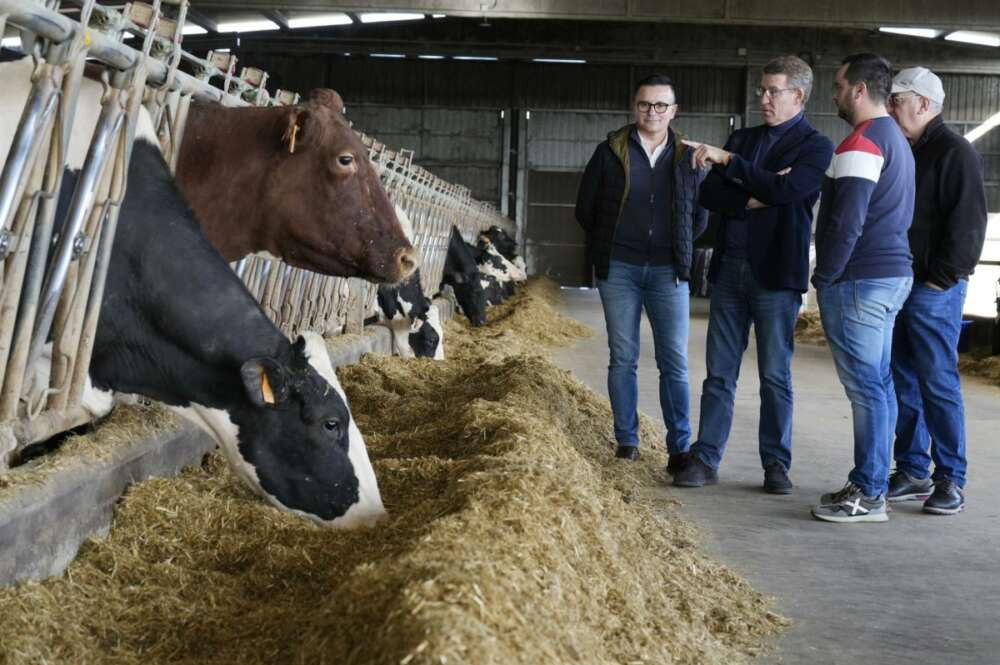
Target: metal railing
{"points": [[54, 297]]}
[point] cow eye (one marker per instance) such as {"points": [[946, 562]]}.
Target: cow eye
{"points": [[346, 160], [332, 426]]}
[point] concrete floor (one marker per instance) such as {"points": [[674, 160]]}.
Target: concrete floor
{"points": [[918, 589]]}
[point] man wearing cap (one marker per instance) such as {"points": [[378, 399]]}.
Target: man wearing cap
{"points": [[946, 239]]}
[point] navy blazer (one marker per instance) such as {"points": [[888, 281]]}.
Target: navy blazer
{"points": [[778, 236]]}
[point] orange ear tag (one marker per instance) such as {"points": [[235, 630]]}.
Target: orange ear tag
{"points": [[291, 145], [265, 388]]}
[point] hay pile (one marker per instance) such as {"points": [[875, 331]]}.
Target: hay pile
{"points": [[513, 537], [809, 328], [125, 424], [987, 367], [526, 323]]}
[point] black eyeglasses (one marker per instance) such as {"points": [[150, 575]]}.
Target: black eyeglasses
{"points": [[770, 92], [659, 107]]}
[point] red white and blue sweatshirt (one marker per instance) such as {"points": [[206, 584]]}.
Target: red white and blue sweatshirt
{"points": [[866, 207]]}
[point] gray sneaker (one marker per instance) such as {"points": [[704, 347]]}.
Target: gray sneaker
{"points": [[904, 487], [851, 505]]}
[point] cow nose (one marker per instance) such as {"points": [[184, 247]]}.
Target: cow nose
{"points": [[406, 262]]}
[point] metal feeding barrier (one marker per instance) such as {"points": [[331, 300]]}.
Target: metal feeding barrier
{"points": [[51, 283]]}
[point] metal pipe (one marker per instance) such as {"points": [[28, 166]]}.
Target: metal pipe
{"points": [[29, 135], [44, 219], [51, 25], [108, 126]]}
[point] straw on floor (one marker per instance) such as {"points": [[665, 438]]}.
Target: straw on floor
{"points": [[513, 537]]}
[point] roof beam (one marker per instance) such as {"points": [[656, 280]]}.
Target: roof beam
{"points": [[952, 15], [279, 19], [196, 17]]}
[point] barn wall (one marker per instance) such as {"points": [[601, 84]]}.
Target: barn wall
{"points": [[449, 113]]}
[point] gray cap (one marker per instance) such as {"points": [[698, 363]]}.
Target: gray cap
{"points": [[920, 80]]}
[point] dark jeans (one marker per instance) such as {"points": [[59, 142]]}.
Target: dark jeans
{"points": [[624, 293], [858, 318], [931, 422], [737, 301]]}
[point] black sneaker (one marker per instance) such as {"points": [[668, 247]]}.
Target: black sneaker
{"points": [[676, 462], [851, 505], [630, 453], [696, 474], [776, 479], [948, 499], [904, 487]]}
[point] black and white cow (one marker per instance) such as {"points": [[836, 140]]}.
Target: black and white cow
{"points": [[507, 246], [501, 240], [413, 319], [178, 326], [472, 289], [415, 322]]}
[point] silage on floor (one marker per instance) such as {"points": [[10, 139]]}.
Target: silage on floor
{"points": [[513, 537]]}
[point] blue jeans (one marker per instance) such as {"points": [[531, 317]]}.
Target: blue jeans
{"points": [[925, 370], [858, 318], [624, 293], [737, 301]]}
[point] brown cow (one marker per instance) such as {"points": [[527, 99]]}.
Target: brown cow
{"points": [[294, 181]]}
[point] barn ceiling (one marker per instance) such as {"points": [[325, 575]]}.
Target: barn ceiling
{"points": [[953, 15]]}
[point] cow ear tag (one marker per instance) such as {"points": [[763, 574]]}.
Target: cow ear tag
{"points": [[265, 385], [263, 380]]}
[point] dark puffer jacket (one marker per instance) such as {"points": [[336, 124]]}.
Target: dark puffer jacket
{"points": [[604, 190]]}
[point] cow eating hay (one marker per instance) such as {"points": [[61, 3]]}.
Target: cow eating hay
{"points": [[512, 538]]}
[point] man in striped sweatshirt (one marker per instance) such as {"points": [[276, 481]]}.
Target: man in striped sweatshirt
{"points": [[864, 271]]}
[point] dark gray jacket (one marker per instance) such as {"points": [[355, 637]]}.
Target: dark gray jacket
{"points": [[949, 213]]}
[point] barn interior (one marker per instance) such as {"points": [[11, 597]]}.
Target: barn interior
{"points": [[507, 100]]}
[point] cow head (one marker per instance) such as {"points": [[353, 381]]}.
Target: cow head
{"points": [[297, 445], [500, 239], [338, 218], [472, 296]]}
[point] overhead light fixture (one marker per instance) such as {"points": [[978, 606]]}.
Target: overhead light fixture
{"points": [[387, 55], [487, 58], [431, 57], [563, 61], [438, 15], [927, 33], [974, 37], [319, 20], [384, 17], [10, 42], [193, 29], [221, 50], [260, 25]]}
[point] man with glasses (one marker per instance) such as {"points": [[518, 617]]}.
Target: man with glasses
{"points": [[638, 204], [946, 239], [863, 275], [763, 184]]}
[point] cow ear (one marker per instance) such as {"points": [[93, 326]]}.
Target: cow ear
{"points": [[328, 97], [264, 381], [296, 125]]}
